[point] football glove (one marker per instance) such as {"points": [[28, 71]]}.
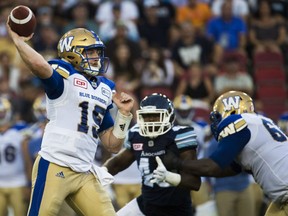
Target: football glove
{"points": [[160, 174]]}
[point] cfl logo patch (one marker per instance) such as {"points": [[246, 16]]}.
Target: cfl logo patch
{"points": [[231, 102], [80, 83]]}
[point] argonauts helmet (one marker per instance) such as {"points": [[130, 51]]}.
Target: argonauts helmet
{"points": [[39, 108], [184, 110], [283, 122], [159, 106], [73, 45], [5, 111], [232, 102]]}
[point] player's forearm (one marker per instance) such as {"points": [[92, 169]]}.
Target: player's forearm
{"points": [[116, 164], [190, 182], [111, 143], [33, 60], [201, 167]]}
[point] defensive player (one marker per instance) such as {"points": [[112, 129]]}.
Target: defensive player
{"points": [[13, 180], [247, 141], [78, 103], [153, 135]]}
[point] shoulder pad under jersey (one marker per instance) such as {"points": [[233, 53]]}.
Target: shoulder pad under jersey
{"points": [[231, 125], [108, 82], [185, 137], [63, 68], [131, 133]]}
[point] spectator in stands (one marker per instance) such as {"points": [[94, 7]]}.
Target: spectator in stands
{"points": [[227, 30], [196, 84], [46, 41], [157, 72], [267, 31], [120, 38], [233, 79], [9, 74], [195, 12], [240, 8], [80, 18], [153, 29], [107, 30], [192, 48], [124, 73], [122, 70], [129, 11]]}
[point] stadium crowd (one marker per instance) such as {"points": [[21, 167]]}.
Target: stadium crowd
{"points": [[196, 48]]}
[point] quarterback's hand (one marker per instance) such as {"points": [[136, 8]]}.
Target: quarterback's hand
{"points": [[14, 36], [160, 174], [124, 102]]}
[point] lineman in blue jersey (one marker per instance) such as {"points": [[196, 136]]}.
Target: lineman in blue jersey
{"points": [[78, 103], [247, 141], [152, 136]]}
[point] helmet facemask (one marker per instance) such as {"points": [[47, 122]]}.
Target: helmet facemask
{"points": [[86, 65], [153, 122]]}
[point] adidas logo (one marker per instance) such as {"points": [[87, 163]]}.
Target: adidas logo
{"points": [[122, 126], [60, 174]]}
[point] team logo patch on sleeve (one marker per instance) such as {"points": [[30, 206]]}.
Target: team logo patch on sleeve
{"points": [[80, 83], [137, 146], [232, 128]]}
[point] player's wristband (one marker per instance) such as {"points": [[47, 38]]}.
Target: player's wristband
{"points": [[121, 125], [173, 178]]}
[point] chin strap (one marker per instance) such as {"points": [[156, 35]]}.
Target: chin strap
{"points": [[121, 125]]}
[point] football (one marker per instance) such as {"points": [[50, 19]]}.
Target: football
{"points": [[22, 20]]}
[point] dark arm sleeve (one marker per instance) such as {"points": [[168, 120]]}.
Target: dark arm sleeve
{"points": [[54, 85]]}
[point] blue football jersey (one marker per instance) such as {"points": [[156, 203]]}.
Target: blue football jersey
{"points": [[145, 149]]}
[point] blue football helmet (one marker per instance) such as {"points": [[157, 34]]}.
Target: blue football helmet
{"points": [[156, 115], [73, 46], [5, 111]]}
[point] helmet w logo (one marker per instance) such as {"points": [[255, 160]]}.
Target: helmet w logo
{"points": [[65, 43], [231, 103]]}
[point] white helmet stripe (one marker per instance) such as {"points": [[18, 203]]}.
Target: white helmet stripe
{"points": [[21, 21]]}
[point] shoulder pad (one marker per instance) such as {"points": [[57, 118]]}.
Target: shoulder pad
{"points": [[63, 68], [108, 82], [131, 133], [230, 125], [185, 137]]}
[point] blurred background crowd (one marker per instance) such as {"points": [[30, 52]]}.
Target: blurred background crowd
{"points": [[196, 48]]}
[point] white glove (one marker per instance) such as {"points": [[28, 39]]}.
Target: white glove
{"points": [[160, 174]]}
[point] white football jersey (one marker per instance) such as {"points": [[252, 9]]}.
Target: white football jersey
{"points": [[70, 138], [266, 155], [12, 170]]}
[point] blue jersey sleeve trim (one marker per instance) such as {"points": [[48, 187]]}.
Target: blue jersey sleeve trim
{"points": [[228, 120], [107, 122], [54, 85], [108, 82], [229, 147]]}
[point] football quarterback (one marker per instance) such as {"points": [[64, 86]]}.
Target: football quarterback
{"points": [[79, 100], [153, 135], [247, 141]]}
